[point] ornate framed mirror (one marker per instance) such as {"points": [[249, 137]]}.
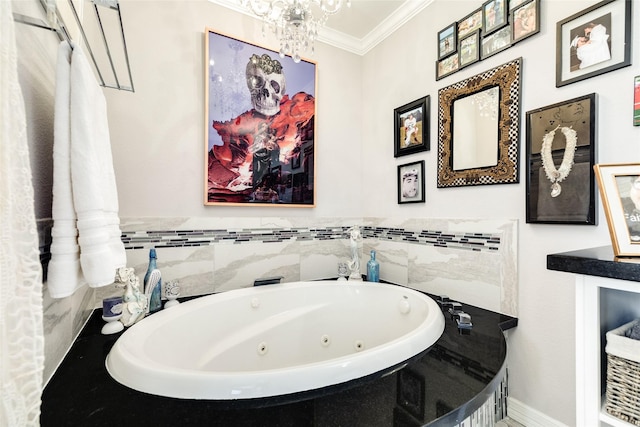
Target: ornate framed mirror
{"points": [[478, 128]]}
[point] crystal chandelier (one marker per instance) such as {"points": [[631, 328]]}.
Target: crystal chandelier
{"points": [[487, 102], [294, 22]]}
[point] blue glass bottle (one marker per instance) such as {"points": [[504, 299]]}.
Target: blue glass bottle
{"points": [[154, 295], [373, 269]]}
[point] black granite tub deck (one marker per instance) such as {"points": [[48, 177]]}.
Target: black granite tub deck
{"points": [[447, 382]]}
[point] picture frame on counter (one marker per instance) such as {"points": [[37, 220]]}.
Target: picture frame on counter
{"points": [[619, 186]]}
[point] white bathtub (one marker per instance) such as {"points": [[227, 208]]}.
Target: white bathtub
{"points": [[274, 340]]}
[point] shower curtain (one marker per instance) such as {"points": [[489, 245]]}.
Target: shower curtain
{"points": [[21, 329]]}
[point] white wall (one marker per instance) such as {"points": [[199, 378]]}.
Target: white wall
{"points": [[158, 131], [400, 70]]}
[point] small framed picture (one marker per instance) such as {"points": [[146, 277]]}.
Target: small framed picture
{"points": [[525, 21], [619, 186], [411, 182], [496, 42], [470, 49], [470, 23], [447, 40], [560, 157], [594, 41], [447, 66], [411, 123], [636, 101], [494, 15]]}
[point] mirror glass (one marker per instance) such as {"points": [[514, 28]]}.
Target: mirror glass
{"points": [[475, 139], [478, 128]]}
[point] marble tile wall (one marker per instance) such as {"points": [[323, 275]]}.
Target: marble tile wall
{"points": [[469, 260], [63, 318]]}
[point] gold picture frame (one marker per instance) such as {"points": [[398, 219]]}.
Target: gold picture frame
{"points": [[257, 151], [619, 186], [499, 87]]}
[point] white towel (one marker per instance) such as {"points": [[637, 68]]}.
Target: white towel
{"points": [[64, 276], [94, 184], [94, 198]]}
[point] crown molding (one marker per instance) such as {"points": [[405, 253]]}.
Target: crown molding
{"points": [[347, 42], [394, 21]]}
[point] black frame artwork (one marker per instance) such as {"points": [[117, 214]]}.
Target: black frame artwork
{"points": [[494, 15], [417, 170], [448, 40], [418, 141], [496, 42], [516, 21], [612, 18], [470, 49], [523, 24], [550, 129]]}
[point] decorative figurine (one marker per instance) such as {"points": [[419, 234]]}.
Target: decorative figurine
{"points": [[354, 264], [343, 271], [171, 291], [111, 313], [135, 302]]}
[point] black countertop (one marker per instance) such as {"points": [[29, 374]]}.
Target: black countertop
{"points": [[447, 382], [598, 261]]}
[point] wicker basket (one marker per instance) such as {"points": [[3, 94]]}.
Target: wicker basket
{"points": [[623, 375]]}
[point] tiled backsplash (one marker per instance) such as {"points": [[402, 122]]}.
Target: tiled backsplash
{"points": [[469, 260], [183, 238]]}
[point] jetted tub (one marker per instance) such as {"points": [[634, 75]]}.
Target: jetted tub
{"points": [[275, 340]]}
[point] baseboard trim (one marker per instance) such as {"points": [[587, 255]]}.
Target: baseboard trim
{"points": [[528, 416]]}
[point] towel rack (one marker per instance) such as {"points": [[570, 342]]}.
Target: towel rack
{"points": [[56, 24]]}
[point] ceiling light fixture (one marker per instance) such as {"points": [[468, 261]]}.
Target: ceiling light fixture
{"points": [[294, 22]]}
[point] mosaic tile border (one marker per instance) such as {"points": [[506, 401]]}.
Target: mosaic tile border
{"points": [[185, 238]]}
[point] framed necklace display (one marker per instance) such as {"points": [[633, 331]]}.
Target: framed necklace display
{"points": [[560, 159]]}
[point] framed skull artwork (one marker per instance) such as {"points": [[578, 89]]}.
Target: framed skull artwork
{"points": [[260, 122]]}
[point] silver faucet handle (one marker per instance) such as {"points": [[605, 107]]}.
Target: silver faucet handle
{"points": [[464, 318], [455, 309], [464, 323]]}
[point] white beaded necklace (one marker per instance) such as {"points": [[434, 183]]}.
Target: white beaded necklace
{"points": [[556, 176]]}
